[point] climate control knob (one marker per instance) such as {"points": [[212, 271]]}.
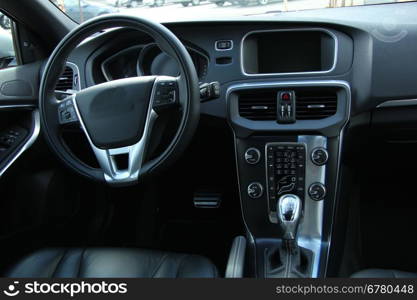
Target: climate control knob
{"points": [[319, 156], [255, 190], [252, 156], [317, 191]]}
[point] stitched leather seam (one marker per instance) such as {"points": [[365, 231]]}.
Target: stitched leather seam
{"points": [[80, 264], [265, 263], [180, 264], [59, 263], [288, 260], [158, 266], [215, 274]]}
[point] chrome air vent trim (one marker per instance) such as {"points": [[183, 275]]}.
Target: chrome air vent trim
{"points": [[258, 106], [319, 125], [76, 81], [315, 105]]}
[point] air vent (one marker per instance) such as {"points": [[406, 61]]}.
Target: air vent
{"points": [[66, 80], [258, 105], [315, 105]]}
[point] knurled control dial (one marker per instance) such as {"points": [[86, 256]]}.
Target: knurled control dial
{"points": [[319, 156], [317, 191], [255, 190], [252, 156]]}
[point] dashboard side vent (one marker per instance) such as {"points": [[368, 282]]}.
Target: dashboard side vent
{"points": [[315, 105], [258, 105], [66, 80]]}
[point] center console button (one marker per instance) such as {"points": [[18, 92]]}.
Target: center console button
{"points": [[252, 156], [319, 156], [286, 107], [255, 190]]}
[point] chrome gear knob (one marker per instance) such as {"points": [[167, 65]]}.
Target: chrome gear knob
{"points": [[289, 212]]}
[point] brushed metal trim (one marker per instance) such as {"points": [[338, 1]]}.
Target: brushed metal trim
{"points": [[310, 232]]}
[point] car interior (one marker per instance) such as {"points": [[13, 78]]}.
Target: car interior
{"points": [[254, 147]]}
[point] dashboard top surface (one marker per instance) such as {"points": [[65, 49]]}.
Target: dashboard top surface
{"points": [[373, 58]]}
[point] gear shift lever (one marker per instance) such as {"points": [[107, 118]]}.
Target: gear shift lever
{"points": [[289, 211], [287, 259]]}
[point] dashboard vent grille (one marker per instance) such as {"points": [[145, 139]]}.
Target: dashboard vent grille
{"points": [[315, 105], [66, 80], [259, 105]]}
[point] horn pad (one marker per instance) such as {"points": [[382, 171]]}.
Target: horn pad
{"points": [[114, 113]]}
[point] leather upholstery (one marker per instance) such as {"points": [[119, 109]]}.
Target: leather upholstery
{"points": [[112, 262], [382, 273]]}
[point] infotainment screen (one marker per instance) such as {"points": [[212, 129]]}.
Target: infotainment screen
{"points": [[288, 52]]}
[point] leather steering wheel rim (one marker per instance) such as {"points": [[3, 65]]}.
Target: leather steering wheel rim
{"points": [[168, 42]]}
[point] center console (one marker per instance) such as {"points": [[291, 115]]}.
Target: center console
{"points": [[288, 138]]}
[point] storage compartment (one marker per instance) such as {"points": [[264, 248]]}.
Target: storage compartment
{"points": [[288, 51]]}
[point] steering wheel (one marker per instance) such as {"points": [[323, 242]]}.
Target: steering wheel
{"points": [[117, 117]]}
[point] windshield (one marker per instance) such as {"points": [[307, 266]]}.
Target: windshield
{"points": [[82, 10]]}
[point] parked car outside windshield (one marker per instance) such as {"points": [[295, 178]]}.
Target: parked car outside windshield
{"points": [[83, 10], [173, 10]]}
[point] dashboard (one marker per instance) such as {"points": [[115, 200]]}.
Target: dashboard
{"points": [[337, 47]]}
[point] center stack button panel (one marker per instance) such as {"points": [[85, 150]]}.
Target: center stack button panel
{"points": [[285, 167]]}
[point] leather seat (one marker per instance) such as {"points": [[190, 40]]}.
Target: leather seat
{"points": [[383, 273], [112, 262]]}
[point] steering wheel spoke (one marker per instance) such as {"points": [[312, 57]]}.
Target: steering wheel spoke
{"points": [[121, 166]]}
